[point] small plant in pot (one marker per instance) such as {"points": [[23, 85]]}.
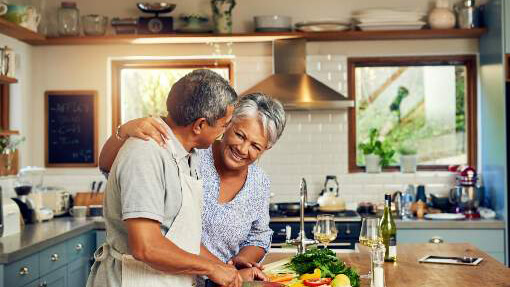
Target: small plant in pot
{"points": [[377, 153], [408, 159]]}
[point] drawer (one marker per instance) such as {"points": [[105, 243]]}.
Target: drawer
{"points": [[487, 240], [52, 258], [80, 246], [57, 278], [22, 272]]}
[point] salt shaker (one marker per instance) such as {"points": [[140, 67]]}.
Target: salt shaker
{"points": [[378, 266]]}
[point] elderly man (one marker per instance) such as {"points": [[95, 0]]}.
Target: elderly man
{"points": [[154, 195]]}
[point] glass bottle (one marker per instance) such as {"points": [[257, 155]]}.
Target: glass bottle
{"points": [[68, 19], [389, 231]]}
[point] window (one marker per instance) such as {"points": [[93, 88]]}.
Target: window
{"points": [[140, 89], [426, 104]]}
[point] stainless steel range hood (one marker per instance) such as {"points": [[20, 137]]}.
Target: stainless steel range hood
{"points": [[292, 86]]}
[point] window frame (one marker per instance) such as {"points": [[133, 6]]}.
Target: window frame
{"points": [[118, 66], [470, 61]]}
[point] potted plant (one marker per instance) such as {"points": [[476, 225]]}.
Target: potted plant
{"points": [[377, 154], [8, 155], [408, 159]]}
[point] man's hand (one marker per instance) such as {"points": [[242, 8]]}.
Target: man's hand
{"points": [[240, 262], [253, 274], [225, 275]]}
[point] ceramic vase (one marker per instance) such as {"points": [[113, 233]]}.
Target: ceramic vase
{"points": [[222, 15], [442, 17], [372, 163], [408, 163]]}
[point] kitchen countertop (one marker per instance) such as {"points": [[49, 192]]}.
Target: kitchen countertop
{"points": [[407, 272], [38, 236], [417, 223]]}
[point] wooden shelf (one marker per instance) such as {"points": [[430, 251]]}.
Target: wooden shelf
{"points": [[16, 31], [8, 133], [263, 37], [7, 80]]}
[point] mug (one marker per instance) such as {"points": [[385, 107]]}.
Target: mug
{"points": [[3, 8], [78, 212], [16, 13], [95, 210]]}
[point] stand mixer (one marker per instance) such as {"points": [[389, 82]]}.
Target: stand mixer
{"points": [[466, 195], [29, 187]]}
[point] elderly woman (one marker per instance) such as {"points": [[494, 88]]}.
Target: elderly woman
{"points": [[236, 191]]}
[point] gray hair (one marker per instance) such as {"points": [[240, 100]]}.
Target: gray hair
{"points": [[200, 94], [268, 110]]}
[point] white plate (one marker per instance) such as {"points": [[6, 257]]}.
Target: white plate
{"points": [[445, 216], [322, 25], [371, 27]]}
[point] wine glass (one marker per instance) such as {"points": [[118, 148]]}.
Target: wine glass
{"points": [[370, 236], [325, 230]]}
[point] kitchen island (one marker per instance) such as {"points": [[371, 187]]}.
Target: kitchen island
{"points": [[407, 272]]}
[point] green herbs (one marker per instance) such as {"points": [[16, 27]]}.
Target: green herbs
{"points": [[374, 146], [326, 261]]}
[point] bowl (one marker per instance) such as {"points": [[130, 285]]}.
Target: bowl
{"points": [[156, 7], [94, 25], [276, 23]]}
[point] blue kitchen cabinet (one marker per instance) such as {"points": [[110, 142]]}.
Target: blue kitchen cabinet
{"points": [[100, 237], [78, 272], [490, 241], [65, 264], [57, 278]]}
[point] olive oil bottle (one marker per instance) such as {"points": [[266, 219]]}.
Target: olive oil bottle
{"points": [[389, 231]]}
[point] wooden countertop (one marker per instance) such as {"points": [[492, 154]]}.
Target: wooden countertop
{"points": [[407, 272]]}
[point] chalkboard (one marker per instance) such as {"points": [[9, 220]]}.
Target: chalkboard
{"points": [[71, 128]]}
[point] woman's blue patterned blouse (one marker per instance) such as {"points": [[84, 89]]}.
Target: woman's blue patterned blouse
{"points": [[244, 221]]}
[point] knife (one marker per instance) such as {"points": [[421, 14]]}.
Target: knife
{"points": [[99, 186]]}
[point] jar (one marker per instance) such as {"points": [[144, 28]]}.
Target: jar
{"points": [[442, 17], [94, 25], [68, 19]]}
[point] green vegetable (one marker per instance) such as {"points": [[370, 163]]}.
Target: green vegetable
{"points": [[326, 261]]}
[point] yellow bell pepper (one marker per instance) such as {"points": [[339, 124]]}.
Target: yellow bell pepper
{"points": [[297, 284], [315, 275]]}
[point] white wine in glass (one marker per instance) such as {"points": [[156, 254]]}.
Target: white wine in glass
{"points": [[370, 236], [325, 230]]}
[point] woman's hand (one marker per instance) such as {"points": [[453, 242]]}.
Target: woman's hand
{"points": [[146, 129], [253, 274], [240, 262]]}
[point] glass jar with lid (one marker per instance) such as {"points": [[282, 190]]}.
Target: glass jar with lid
{"points": [[68, 19]]}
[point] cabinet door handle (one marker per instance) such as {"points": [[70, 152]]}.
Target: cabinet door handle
{"points": [[23, 271], [54, 257], [43, 284], [436, 240], [78, 247]]}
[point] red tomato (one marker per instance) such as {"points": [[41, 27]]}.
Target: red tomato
{"points": [[317, 282]]}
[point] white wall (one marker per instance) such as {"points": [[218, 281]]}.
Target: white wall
{"points": [[86, 67]]}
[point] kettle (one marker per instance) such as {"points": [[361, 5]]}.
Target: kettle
{"points": [[331, 186], [328, 199]]}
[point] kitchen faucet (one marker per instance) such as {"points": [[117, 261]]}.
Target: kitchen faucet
{"points": [[302, 242]]}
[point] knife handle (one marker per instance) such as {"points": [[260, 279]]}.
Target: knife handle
{"points": [[210, 283]]}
